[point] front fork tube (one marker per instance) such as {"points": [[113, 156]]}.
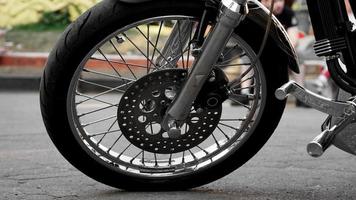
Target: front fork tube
{"points": [[232, 13]]}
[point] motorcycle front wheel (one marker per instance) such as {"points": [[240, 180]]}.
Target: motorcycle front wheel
{"points": [[105, 90]]}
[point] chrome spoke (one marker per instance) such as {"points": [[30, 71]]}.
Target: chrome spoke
{"points": [[94, 99], [156, 44], [97, 110], [231, 65], [215, 140], [226, 125], [241, 104], [146, 56], [112, 146], [226, 136], [150, 43], [103, 93], [101, 86], [123, 59], [121, 63], [141, 152], [127, 147], [232, 59], [180, 43], [107, 75], [241, 82], [109, 62], [231, 120], [103, 133], [98, 121], [189, 46], [238, 80], [109, 129]]}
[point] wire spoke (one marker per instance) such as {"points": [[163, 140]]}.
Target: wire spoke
{"points": [[95, 111], [112, 146], [146, 56], [241, 88], [170, 159], [230, 65], [123, 59], [109, 129], [107, 75], [98, 121], [215, 140], [106, 92], [156, 161], [232, 59], [180, 43], [226, 136], [128, 146], [238, 80], [150, 43], [108, 61], [226, 125], [88, 97], [241, 104], [131, 161], [143, 158], [183, 160], [189, 45], [121, 63], [172, 59], [232, 120], [102, 133], [100, 85], [156, 44], [207, 153], [241, 82], [194, 157], [230, 50]]}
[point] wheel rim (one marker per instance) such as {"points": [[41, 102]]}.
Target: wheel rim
{"points": [[93, 113]]}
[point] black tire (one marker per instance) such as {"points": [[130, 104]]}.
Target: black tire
{"points": [[90, 29]]}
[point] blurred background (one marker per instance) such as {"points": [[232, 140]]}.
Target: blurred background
{"points": [[30, 28], [28, 31], [33, 25]]}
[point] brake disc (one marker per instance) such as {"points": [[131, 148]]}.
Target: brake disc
{"points": [[143, 106]]}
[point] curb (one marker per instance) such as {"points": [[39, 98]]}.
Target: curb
{"points": [[23, 59], [20, 83]]}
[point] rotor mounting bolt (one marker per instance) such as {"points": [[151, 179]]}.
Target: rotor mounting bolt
{"points": [[200, 110], [174, 131]]}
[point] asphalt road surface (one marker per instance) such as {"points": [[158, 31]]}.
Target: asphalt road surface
{"points": [[31, 167]]}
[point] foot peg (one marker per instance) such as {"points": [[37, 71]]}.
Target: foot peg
{"points": [[323, 141], [345, 111], [323, 104]]}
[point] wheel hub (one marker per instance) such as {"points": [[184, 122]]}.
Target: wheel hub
{"points": [[143, 106]]}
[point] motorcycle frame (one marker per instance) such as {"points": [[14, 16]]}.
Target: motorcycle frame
{"points": [[333, 28]]}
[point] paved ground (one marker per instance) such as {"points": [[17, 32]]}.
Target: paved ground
{"points": [[31, 168]]}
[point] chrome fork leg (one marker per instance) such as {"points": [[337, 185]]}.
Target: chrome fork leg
{"points": [[232, 13]]}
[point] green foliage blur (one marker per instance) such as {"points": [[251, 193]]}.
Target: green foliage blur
{"points": [[51, 21], [41, 14]]}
